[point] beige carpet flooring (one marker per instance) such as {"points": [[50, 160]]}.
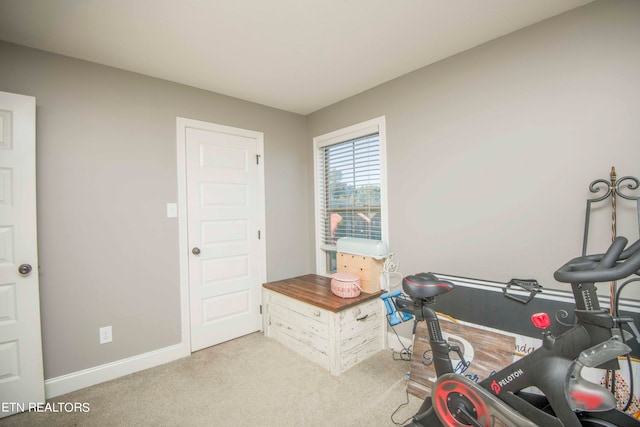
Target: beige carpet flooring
{"points": [[250, 381]]}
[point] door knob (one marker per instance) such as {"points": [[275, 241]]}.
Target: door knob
{"points": [[195, 251], [24, 269]]}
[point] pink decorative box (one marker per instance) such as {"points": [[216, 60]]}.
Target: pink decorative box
{"points": [[345, 285]]}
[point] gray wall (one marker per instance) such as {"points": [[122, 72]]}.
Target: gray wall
{"points": [[490, 152], [106, 167]]}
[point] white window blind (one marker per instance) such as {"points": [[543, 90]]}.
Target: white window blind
{"points": [[349, 185]]}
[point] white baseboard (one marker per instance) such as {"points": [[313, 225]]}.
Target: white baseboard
{"points": [[396, 344], [76, 380]]}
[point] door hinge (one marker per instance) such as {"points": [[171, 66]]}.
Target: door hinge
{"points": [[257, 159], [260, 308], [258, 234]]}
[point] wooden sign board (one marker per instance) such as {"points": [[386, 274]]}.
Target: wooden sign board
{"points": [[487, 351]]}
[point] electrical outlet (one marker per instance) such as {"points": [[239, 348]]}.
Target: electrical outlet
{"points": [[106, 335]]}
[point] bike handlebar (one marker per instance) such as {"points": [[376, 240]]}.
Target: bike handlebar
{"points": [[611, 256], [615, 264]]}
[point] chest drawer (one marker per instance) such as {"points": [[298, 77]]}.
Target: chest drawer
{"points": [[360, 318], [293, 305]]}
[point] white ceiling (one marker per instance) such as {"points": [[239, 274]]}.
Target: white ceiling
{"points": [[295, 55]]}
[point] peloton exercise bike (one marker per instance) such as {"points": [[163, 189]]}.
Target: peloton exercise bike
{"points": [[567, 400]]}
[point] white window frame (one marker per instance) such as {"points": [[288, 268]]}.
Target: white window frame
{"points": [[376, 125]]}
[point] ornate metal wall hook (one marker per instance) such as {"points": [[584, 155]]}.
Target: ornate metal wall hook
{"points": [[613, 187]]}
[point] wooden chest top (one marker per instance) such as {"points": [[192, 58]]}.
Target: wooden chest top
{"points": [[316, 290]]}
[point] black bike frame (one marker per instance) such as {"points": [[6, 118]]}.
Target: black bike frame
{"points": [[543, 367]]}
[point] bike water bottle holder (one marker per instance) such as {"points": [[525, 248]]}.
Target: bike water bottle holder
{"points": [[530, 285], [399, 309]]}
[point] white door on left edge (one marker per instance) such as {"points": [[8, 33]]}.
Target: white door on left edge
{"points": [[223, 233], [21, 372]]}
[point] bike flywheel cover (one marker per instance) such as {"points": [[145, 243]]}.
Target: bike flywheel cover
{"points": [[450, 393]]}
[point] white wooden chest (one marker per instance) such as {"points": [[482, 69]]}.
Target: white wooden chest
{"points": [[334, 332]]}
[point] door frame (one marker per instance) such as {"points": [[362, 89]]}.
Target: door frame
{"points": [[181, 144]]}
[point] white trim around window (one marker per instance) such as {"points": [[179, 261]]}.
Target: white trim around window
{"points": [[368, 127]]}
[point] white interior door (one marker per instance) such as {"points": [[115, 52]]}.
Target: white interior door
{"points": [[223, 178], [21, 371]]}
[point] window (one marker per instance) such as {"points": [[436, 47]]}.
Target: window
{"points": [[350, 188]]}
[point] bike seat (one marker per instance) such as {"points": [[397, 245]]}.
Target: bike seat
{"points": [[425, 285]]}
